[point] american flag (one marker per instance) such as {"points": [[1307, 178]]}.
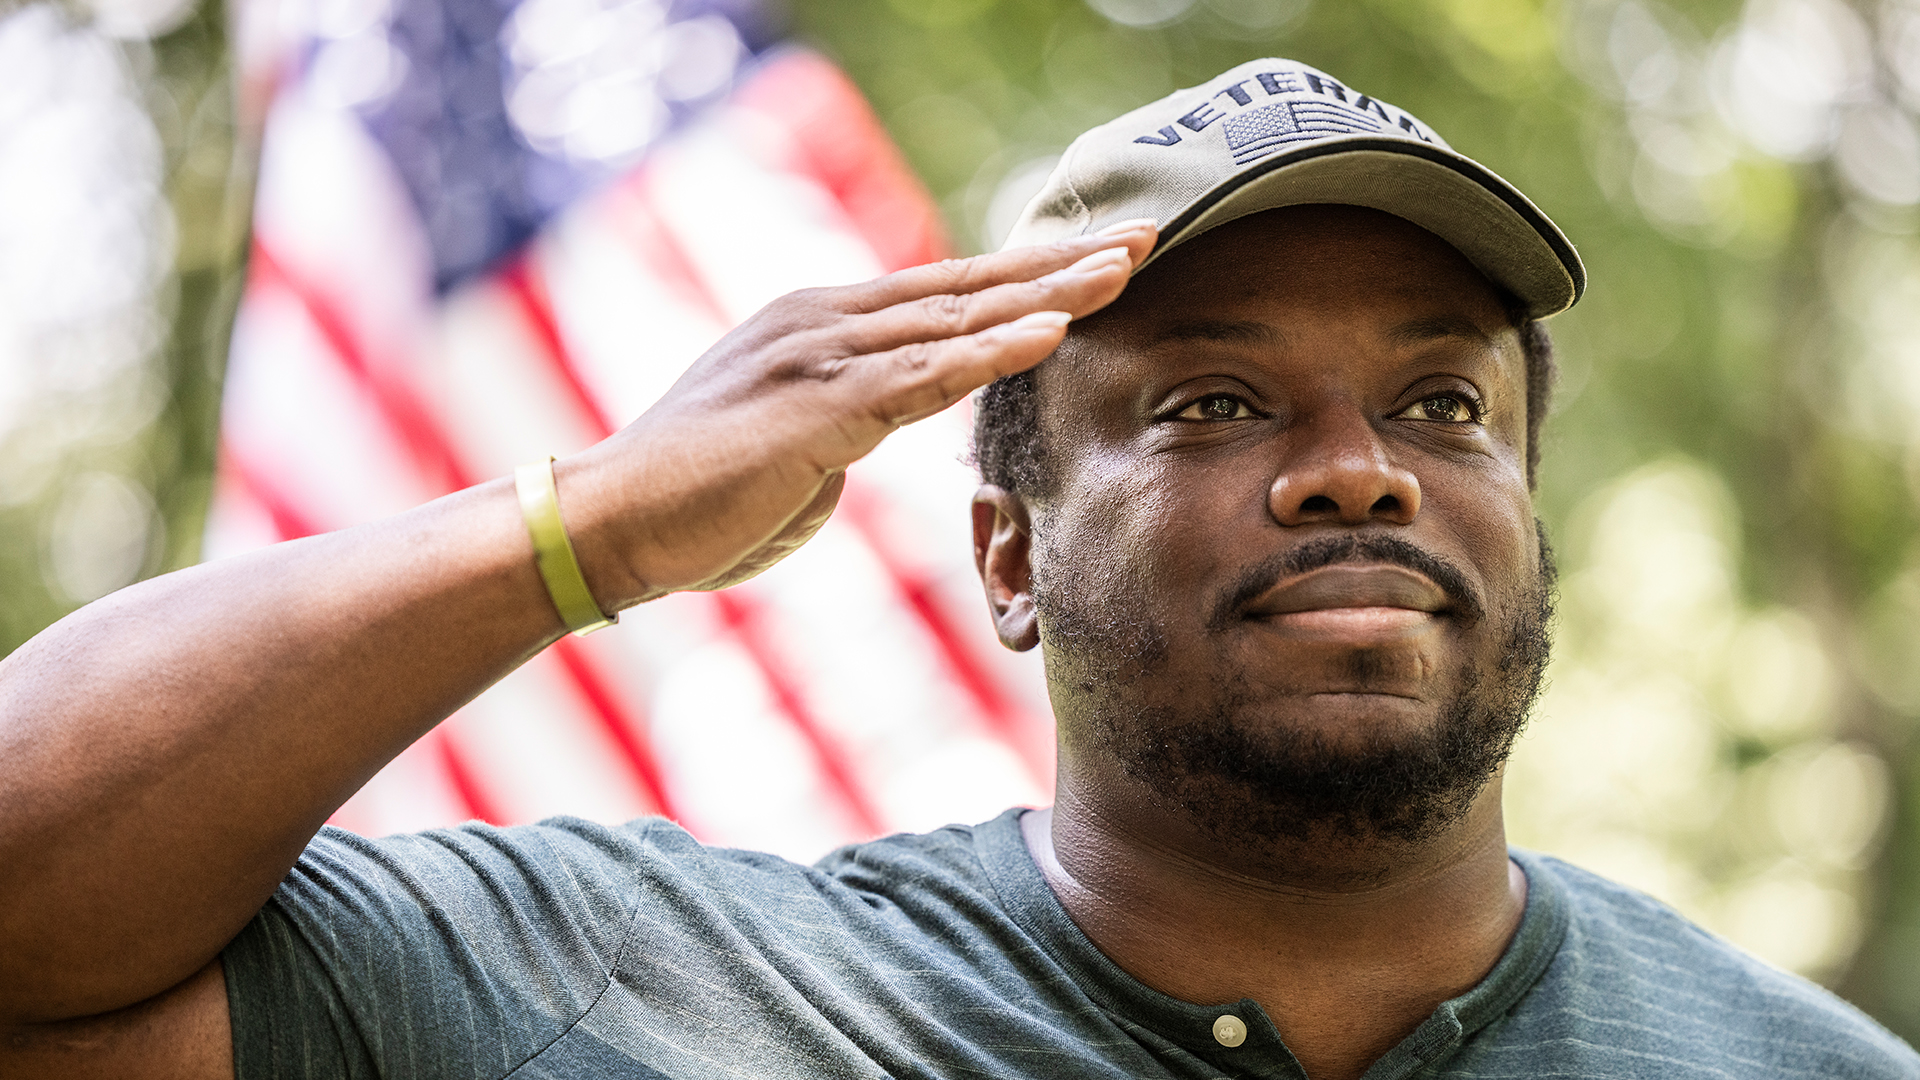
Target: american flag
{"points": [[485, 233]]}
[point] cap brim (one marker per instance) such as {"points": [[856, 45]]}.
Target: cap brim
{"points": [[1498, 229]]}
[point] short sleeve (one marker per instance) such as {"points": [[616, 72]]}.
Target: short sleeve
{"points": [[457, 954]]}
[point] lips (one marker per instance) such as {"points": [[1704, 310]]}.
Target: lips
{"points": [[1350, 587]]}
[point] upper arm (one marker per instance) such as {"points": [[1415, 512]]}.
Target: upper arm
{"points": [[181, 1034]]}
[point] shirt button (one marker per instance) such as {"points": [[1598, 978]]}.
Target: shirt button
{"points": [[1230, 1030]]}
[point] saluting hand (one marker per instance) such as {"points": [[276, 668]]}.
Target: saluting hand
{"points": [[744, 458]]}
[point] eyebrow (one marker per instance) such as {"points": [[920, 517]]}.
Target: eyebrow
{"points": [[1433, 327], [1227, 331]]}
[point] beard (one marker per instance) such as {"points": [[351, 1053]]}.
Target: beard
{"points": [[1240, 772]]}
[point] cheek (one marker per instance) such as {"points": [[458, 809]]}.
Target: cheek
{"points": [[1096, 533], [1141, 517], [1491, 518], [1154, 540]]}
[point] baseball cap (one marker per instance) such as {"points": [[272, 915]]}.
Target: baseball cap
{"points": [[1274, 133]]}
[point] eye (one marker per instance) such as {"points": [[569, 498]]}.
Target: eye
{"points": [[1216, 407], [1444, 408]]}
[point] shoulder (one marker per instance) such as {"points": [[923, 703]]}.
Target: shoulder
{"points": [[445, 864], [1653, 981], [944, 853], [565, 856]]}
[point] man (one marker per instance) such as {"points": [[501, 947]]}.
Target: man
{"points": [[1268, 515]]}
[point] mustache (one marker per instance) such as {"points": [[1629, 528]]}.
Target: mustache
{"points": [[1330, 550]]}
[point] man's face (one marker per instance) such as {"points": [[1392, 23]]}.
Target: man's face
{"points": [[1287, 572]]}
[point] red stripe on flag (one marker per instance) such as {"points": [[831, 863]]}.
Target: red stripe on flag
{"points": [[404, 413], [743, 616], [239, 475], [616, 721], [527, 289], [839, 142], [631, 207], [1002, 716], [466, 786]]}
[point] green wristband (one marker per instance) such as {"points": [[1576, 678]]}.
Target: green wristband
{"points": [[553, 552]]}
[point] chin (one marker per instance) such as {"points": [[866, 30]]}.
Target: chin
{"points": [[1329, 725], [1316, 767]]}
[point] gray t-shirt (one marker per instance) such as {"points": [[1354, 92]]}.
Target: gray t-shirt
{"points": [[575, 950]]}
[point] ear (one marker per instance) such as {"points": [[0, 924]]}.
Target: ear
{"points": [[1002, 549]]}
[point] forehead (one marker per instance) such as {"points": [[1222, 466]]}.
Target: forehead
{"points": [[1282, 274], [1347, 259]]}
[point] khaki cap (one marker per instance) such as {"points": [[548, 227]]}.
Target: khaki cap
{"points": [[1274, 133]]}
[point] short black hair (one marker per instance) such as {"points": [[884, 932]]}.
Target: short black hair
{"points": [[1009, 447]]}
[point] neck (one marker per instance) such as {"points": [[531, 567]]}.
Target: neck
{"points": [[1348, 946]]}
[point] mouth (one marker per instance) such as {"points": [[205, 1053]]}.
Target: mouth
{"points": [[1347, 600]]}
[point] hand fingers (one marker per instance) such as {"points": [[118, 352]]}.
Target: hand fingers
{"points": [[829, 321], [918, 380], [962, 276], [1080, 289]]}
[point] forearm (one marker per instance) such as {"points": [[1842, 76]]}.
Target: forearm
{"points": [[170, 750]]}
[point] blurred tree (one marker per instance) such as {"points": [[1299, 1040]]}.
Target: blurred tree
{"points": [[128, 183], [193, 96]]}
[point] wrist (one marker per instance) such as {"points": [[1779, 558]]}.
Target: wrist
{"points": [[553, 555], [600, 528]]}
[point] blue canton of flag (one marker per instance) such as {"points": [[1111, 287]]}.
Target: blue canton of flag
{"points": [[506, 113]]}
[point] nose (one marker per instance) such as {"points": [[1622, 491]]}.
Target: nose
{"points": [[1337, 470]]}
